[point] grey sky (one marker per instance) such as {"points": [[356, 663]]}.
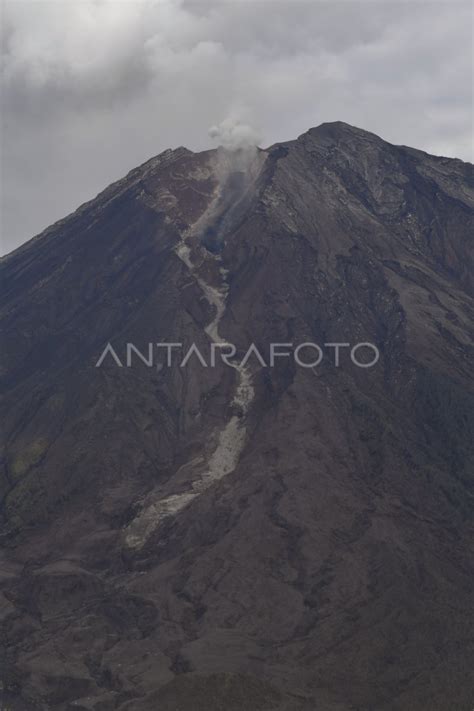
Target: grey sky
{"points": [[92, 89]]}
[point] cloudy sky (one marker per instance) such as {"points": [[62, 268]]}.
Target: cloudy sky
{"points": [[92, 89]]}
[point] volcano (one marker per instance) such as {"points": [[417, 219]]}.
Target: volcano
{"points": [[243, 537]]}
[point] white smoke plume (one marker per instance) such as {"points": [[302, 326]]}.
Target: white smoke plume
{"points": [[233, 134], [236, 165], [237, 148]]}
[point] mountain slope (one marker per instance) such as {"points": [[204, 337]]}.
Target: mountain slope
{"points": [[247, 536]]}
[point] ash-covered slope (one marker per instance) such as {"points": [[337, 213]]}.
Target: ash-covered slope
{"points": [[244, 537]]}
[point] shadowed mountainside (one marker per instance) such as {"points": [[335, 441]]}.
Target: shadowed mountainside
{"points": [[325, 564]]}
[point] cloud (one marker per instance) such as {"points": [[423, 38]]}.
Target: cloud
{"points": [[92, 88]]}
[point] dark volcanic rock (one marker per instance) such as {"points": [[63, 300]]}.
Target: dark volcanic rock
{"points": [[330, 566]]}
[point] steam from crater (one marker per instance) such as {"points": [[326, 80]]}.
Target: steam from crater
{"points": [[236, 164], [234, 135], [237, 146]]}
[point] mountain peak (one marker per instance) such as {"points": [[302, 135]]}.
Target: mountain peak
{"points": [[334, 131]]}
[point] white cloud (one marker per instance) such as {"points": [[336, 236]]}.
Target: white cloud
{"points": [[92, 88]]}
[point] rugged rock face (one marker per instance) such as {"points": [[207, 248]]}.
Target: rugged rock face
{"points": [[244, 537]]}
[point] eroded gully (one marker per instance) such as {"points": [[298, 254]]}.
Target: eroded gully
{"points": [[230, 438]]}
